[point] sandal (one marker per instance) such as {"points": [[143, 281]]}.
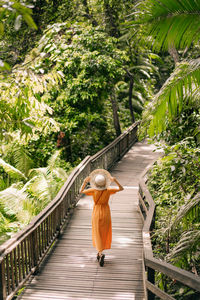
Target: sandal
{"points": [[98, 256], [101, 260]]}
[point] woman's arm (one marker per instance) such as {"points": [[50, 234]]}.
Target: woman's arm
{"points": [[119, 185], [86, 180]]}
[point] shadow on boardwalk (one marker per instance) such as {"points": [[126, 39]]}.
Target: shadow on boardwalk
{"points": [[71, 270]]}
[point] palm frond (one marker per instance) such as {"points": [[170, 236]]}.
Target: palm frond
{"points": [[60, 173], [46, 182], [39, 171], [11, 171], [44, 185], [139, 96], [52, 162], [188, 243], [169, 102], [41, 189], [16, 202], [171, 23], [22, 160], [186, 209]]}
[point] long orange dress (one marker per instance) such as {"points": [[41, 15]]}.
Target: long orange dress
{"points": [[101, 218]]}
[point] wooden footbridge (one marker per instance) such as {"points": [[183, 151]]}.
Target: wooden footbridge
{"points": [[53, 257]]}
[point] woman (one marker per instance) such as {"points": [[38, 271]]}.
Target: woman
{"points": [[100, 180]]}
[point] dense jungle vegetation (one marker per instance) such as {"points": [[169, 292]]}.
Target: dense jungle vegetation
{"points": [[73, 76]]}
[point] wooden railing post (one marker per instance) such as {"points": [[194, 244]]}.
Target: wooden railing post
{"points": [[151, 278], [2, 281], [34, 247], [58, 221]]}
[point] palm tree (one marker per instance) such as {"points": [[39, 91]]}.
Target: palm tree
{"points": [[171, 24]]}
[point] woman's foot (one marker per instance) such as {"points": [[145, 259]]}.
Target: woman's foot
{"points": [[101, 260], [98, 256]]}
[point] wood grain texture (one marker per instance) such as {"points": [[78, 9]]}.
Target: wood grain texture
{"points": [[71, 271]]}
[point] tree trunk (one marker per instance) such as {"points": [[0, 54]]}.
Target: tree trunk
{"points": [[111, 16], [130, 94], [130, 99], [115, 114]]}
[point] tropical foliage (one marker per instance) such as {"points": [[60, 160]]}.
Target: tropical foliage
{"points": [[24, 195], [174, 185], [13, 12], [73, 75]]}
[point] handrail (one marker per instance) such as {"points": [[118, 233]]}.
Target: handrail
{"points": [[152, 264], [21, 256]]}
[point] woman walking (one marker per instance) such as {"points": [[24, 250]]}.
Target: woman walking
{"points": [[100, 180]]}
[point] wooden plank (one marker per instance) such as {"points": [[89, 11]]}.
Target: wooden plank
{"points": [[158, 292], [38, 295], [181, 275]]}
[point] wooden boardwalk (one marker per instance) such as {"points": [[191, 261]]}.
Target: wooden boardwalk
{"points": [[71, 270]]}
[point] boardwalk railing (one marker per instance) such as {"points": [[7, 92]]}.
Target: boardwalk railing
{"points": [[21, 255], [152, 264]]}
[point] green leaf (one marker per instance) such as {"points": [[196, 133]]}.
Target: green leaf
{"points": [[174, 22], [1, 28], [4, 66], [13, 172], [29, 21]]}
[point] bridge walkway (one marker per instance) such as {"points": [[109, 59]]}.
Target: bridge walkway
{"points": [[71, 271]]}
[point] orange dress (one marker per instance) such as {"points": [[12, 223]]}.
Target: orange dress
{"points": [[101, 218]]}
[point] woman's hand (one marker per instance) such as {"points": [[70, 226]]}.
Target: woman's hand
{"points": [[87, 179], [119, 185], [112, 178]]}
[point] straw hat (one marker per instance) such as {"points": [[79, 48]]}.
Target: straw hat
{"points": [[100, 179]]}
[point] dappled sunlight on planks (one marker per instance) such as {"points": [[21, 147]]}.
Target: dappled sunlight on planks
{"points": [[123, 242]]}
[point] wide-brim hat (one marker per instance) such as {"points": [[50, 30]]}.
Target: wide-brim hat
{"points": [[102, 172]]}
